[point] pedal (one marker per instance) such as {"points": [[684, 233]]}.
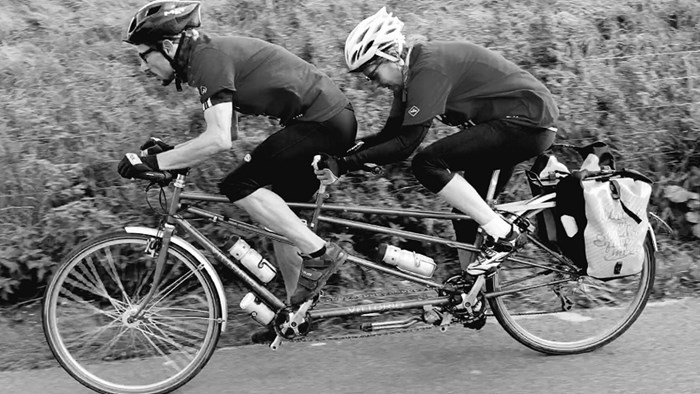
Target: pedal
{"points": [[446, 321], [431, 315]]}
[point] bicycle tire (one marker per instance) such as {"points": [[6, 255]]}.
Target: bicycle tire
{"points": [[547, 332], [182, 337]]}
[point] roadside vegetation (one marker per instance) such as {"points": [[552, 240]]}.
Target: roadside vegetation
{"points": [[625, 72]]}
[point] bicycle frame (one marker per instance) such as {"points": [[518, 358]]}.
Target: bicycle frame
{"points": [[174, 219]]}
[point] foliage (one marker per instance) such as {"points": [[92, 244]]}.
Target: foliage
{"points": [[683, 207], [74, 102]]}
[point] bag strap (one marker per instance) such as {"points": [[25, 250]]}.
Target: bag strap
{"points": [[615, 190], [636, 175]]}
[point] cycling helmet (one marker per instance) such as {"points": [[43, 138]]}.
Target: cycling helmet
{"points": [[162, 19], [372, 37]]}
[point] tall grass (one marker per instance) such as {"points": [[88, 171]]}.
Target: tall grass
{"points": [[74, 101]]}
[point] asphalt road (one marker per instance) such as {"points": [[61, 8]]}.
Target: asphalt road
{"points": [[659, 354]]}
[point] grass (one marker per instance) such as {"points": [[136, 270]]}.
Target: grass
{"points": [[621, 71]]}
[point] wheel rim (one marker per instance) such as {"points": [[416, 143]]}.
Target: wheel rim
{"points": [[89, 318], [599, 310]]}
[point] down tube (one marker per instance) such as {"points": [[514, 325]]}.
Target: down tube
{"points": [[259, 290]]}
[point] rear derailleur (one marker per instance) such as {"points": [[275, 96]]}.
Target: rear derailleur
{"points": [[464, 307]]}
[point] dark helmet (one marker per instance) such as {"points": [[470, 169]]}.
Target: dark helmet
{"points": [[160, 19]]}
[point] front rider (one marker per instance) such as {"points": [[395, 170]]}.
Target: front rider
{"points": [[503, 114], [247, 75]]}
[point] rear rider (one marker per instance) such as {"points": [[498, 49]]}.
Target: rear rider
{"points": [[502, 115], [249, 76]]}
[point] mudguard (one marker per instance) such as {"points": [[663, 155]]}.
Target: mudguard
{"points": [[152, 232]]}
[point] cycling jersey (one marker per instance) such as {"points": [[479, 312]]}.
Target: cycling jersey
{"points": [[265, 79], [466, 84]]}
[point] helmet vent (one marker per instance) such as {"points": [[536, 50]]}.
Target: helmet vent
{"points": [[152, 10], [374, 36]]}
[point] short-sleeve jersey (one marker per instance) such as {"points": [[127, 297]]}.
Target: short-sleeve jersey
{"points": [[265, 79], [460, 82]]}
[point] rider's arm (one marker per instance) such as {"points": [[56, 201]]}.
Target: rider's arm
{"points": [[222, 125], [389, 131], [397, 147]]}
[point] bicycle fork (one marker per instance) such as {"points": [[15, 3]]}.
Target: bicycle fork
{"points": [[162, 251], [164, 237]]}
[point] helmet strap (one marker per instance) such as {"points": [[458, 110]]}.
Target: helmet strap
{"points": [[173, 63], [404, 71]]}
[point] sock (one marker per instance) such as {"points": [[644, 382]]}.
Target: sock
{"points": [[318, 253], [497, 228]]}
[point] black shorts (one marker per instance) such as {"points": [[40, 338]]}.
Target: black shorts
{"points": [[478, 151], [283, 160]]}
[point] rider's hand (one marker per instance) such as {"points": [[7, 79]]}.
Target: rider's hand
{"points": [[132, 165], [154, 146], [328, 168]]}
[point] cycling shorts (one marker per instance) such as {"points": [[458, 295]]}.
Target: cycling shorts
{"points": [[283, 160]]}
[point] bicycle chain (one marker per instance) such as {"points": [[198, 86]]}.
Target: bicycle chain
{"points": [[370, 334]]}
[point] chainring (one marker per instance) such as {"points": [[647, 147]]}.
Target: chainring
{"points": [[473, 316], [285, 328]]}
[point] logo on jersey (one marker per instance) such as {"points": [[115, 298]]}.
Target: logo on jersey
{"points": [[413, 111], [202, 90]]}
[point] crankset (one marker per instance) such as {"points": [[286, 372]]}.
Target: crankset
{"points": [[467, 303], [289, 325]]}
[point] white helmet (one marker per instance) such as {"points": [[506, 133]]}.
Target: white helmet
{"points": [[373, 37]]}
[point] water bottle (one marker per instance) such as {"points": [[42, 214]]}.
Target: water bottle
{"points": [[252, 260], [408, 261], [257, 309]]}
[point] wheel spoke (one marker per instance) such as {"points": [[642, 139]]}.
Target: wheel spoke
{"points": [[92, 327], [548, 308]]}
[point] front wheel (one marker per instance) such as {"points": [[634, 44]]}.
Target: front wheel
{"points": [[545, 305], [90, 324]]}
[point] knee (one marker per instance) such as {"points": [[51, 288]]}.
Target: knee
{"points": [[431, 171], [237, 190]]}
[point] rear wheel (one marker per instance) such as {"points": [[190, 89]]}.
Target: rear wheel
{"points": [[545, 305], [90, 305]]}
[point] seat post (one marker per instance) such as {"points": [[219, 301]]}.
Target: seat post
{"points": [[492, 187]]}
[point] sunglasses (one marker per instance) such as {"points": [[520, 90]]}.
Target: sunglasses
{"points": [[143, 55], [371, 72]]}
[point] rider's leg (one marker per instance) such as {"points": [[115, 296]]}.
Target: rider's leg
{"points": [[484, 147], [283, 161], [289, 261], [461, 195], [466, 230], [270, 210]]}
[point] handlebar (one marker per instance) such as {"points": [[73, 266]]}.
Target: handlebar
{"points": [[163, 177]]}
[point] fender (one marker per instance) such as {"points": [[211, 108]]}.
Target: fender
{"points": [[152, 232], [653, 238]]}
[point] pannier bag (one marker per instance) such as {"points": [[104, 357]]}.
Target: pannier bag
{"points": [[603, 217]]}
